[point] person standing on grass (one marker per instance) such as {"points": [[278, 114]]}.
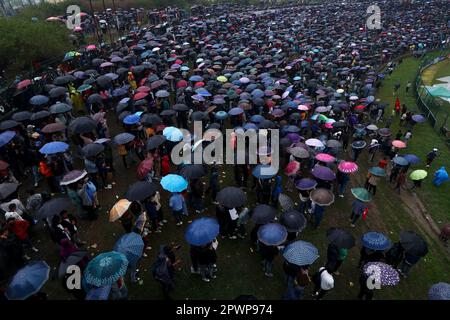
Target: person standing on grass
{"points": [[358, 208], [178, 206], [318, 213], [431, 156], [268, 254], [407, 263], [213, 183], [335, 257], [400, 181], [323, 282], [371, 184], [364, 291]]}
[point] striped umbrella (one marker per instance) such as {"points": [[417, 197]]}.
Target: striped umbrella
{"points": [[439, 291], [123, 138], [301, 253], [347, 167], [105, 269], [131, 245]]}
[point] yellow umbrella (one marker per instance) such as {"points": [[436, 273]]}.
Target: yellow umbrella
{"points": [[222, 79], [119, 209]]}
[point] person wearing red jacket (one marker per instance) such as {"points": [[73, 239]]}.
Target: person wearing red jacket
{"points": [[20, 229]]}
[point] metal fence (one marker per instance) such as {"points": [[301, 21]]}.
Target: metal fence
{"points": [[433, 108]]}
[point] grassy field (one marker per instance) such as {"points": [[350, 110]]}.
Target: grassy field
{"points": [[240, 269]]}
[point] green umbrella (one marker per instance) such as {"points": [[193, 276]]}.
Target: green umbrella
{"points": [[362, 194], [84, 87], [418, 175]]}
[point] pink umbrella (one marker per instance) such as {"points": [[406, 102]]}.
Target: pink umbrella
{"points": [[302, 107], [106, 64], [91, 47], [314, 142], [292, 168], [329, 125], [325, 157], [144, 168], [399, 144], [143, 89], [23, 84], [347, 167]]}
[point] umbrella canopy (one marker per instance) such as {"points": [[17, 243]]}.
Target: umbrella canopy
{"points": [[377, 171], [53, 127], [118, 210], [264, 171], [28, 280], [21, 116], [314, 143], [360, 144], [400, 161], [40, 115], [418, 118], [413, 243], [399, 144], [8, 124], [384, 132], [325, 157], [54, 147], [272, 234], [202, 231], [155, 141], [285, 202], [39, 100], [73, 259], [306, 184], [82, 125], [301, 253], [323, 173], [105, 269], [382, 272], [412, 158], [174, 183], [347, 166], [299, 152], [193, 171], [53, 207], [263, 214], [143, 169], [375, 241], [293, 220], [292, 168], [173, 134], [140, 191], [72, 177], [123, 138], [362, 194], [180, 107], [418, 175], [6, 137], [131, 245], [231, 197], [7, 189], [322, 197], [334, 144], [439, 291], [92, 149], [340, 238]]}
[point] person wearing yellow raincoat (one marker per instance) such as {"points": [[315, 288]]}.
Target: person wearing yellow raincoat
{"points": [[77, 101], [131, 81]]}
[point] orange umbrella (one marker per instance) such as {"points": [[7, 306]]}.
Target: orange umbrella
{"points": [[119, 209]]}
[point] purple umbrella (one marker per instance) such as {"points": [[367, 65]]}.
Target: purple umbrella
{"points": [[418, 118], [294, 137], [412, 158], [306, 184], [277, 113], [72, 177], [323, 173], [198, 97], [382, 272], [235, 111]]}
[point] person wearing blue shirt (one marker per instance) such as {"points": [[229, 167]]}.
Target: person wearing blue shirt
{"points": [[178, 206]]}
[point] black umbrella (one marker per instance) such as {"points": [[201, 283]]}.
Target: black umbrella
{"points": [[60, 108], [155, 141], [263, 214], [151, 119], [198, 116], [180, 107], [193, 171], [293, 220], [57, 92], [92, 149], [231, 197], [140, 190], [95, 98], [40, 115], [340, 238], [73, 259], [21, 116], [285, 202], [104, 81], [53, 207], [413, 243], [63, 80], [82, 125], [168, 113], [7, 189], [8, 124]]}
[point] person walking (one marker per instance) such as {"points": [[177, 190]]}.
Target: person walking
{"points": [[358, 208], [431, 156], [323, 282], [407, 263], [178, 206], [371, 184], [268, 254], [400, 181], [342, 180], [206, 260], [318, 213]]}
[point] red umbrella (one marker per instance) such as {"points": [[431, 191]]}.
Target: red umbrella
{"points": [[397, 104], [178, 61], [360, 107], [23, 84], [399, 144], [140, 95], [144, 168], [292, 168], [182, 84], [3, 165], [199, 84], [143, 89]]}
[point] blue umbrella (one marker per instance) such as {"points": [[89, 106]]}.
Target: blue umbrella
{"points": [[272, 234], [221, 115], [119, 92], [6, 137], [203, 92], [174, 183], [418, 118], [375, 241], [131, 119], [39, 100], [400, 161], [28, 280], [257, 118], [439, 291], [250, 126], [54, 147], [301, 253], [412, 158], [131, 245], [173, 134], [196, 78], [306, 184], [386, 275], [235, 111], [105, 269], [257, 93], [99, 293], [202, 231], [123, 138], [264, 171], [377, 171]]}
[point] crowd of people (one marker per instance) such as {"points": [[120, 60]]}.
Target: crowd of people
{"points": [[309, 71]]}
